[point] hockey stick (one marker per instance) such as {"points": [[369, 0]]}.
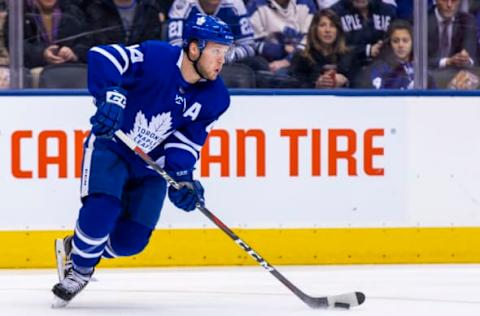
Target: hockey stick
{"points": [[343, 301]]}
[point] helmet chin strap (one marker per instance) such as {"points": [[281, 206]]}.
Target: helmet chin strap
{"points": [[195, 63]]}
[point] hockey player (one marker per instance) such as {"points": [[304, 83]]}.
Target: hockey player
{"points": [[166, 99], [232, 12]]}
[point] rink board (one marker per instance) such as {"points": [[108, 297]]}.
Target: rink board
{"points": [[205, 247], [308, 178]]}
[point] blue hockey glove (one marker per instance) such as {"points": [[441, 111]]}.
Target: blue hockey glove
{"points": [[187, 196], [109, 116]]}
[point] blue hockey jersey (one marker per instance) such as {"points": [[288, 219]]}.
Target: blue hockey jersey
{"points": [[385, 75], [166, 116]]}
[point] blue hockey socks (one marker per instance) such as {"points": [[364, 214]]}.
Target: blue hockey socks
{"points": [[97, 218]]}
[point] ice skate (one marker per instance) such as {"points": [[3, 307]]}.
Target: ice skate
{"points": [[72, 283]]}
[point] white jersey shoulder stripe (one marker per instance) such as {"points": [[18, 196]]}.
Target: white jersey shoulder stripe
{"points": [[122, 53], [110, 57]]}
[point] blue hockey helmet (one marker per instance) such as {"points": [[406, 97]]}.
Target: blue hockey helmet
{"points": [[206, 28]]}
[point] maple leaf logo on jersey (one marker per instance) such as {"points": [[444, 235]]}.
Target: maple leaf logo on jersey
{"points": [[201, 20], [147, 135]]}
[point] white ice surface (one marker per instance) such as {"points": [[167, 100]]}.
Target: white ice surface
{"points": [[392, 290]]}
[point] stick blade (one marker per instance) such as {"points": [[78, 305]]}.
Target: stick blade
{"points": [[345, 301]]}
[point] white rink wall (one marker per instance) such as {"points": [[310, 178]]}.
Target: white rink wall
{"points": [[413, 161]]}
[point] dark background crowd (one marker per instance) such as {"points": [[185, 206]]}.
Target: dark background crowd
{"points": [[322, 44]]}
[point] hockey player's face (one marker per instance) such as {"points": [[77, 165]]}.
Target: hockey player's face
{"points": [[401, 44], [326, 31], [212, 60], [448, 8]]}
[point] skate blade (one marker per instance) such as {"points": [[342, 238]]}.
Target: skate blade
{"points": [[60, 258], [59, 303]]}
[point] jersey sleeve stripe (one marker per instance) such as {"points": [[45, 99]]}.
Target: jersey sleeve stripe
{"points": [[187, 141], [110, 57], [122, 53], [183, 147]]}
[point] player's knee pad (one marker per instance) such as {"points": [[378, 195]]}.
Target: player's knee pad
{"points": [[128, 238]]}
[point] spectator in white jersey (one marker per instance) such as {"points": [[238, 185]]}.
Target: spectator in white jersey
{"points": [[280, 27], [232, 12]]}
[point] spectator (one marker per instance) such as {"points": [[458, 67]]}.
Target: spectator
{"points": [[79, 3], [325, 4], [452, 37], [123, 21], [4, 77], [280, 27], [365, 23], [3, 50], [394, 67], [48, 30], [405, 8], [164, 6], [326, 60], [232, 12], [475, 11]]}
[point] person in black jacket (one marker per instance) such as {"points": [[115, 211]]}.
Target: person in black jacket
{"points": [[123, 21], [451, 36], [50, 33], [452, 42], [326, 60], [365, 23]]}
